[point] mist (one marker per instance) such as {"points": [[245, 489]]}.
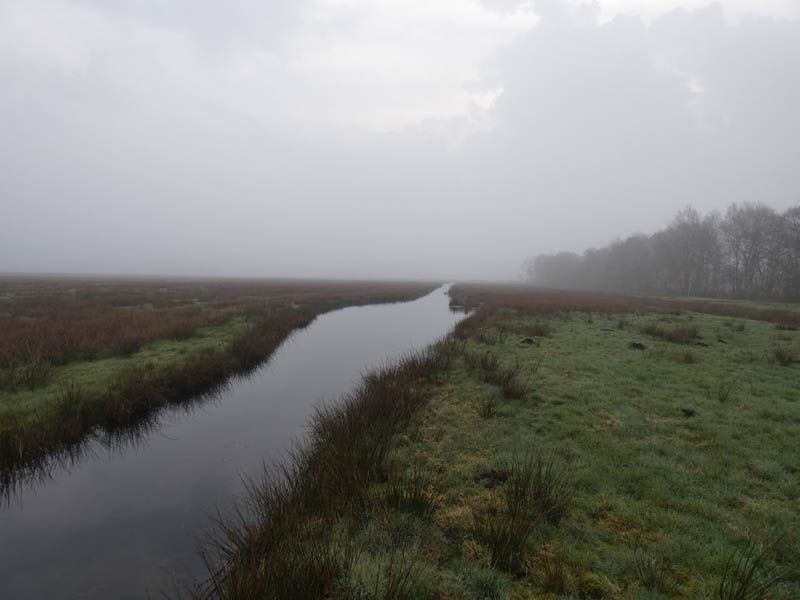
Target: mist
{"points": [[328, 138]]}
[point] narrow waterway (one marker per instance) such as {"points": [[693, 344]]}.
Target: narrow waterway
{"points": [[125, 524]]}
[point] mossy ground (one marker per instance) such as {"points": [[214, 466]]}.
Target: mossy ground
{"points": [[679, 454]]}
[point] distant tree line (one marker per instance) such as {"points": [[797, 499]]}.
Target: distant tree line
{"points": [[752, 251]]}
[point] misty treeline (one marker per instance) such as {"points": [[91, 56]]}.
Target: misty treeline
{"points": [[751, 251]]}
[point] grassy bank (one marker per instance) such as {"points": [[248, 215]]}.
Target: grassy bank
{"points": [[127, 350], [569, 446], [296, 536]]}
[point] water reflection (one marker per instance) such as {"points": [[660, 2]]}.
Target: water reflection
{"points": [[119, 518]]}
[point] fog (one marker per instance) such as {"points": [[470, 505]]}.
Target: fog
{"points": [[354, 138]]}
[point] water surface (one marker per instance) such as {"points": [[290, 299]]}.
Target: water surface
{"points": [[124, 524]]}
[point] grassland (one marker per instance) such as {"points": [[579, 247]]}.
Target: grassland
{"points": [[561, 446], [84, 356]]}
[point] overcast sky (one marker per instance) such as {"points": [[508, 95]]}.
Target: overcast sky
{"points": [[381, 138]]}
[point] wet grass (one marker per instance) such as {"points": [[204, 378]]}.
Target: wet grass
{"points": [[619, 474]]}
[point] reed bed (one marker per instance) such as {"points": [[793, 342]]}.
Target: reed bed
{"points": [[55, 321], [489, 298]]}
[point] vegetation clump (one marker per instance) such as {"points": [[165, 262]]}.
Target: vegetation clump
{"points": [[748, 574], [783, 355], [410, 491], [487, 405], [537, 491], [680, 335]]}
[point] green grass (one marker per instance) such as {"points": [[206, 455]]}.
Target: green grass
{"points": [[94, 376], [680, 456]]}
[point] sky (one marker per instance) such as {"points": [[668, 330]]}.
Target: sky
{"points": [[381, 138]]}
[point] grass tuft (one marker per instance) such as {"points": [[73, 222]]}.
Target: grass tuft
{"points": [[487, 405], [782, 355], [654, 572], [680, 335], [554, 578], [748, 575], [723, 389], [533, 330], [410, 491], [537, 491]]}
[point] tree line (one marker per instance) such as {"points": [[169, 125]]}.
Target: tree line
{"points": [[751, 251]]}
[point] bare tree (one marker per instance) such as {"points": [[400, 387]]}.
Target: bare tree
{"points": [[752, 251]]}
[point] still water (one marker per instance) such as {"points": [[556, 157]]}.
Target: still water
{"points": [[125, 523]]}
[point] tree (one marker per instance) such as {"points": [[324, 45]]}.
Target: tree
{"points": [[751, 251]]}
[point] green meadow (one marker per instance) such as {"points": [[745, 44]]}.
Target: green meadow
{"points": [[673, 467]]}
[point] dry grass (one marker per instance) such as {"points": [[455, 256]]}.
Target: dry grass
{"points": [[55, 321], [488, 298], [680, 335]]}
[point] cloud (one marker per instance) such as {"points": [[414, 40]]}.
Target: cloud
{"points": [[614, 126], [400, 139]]}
